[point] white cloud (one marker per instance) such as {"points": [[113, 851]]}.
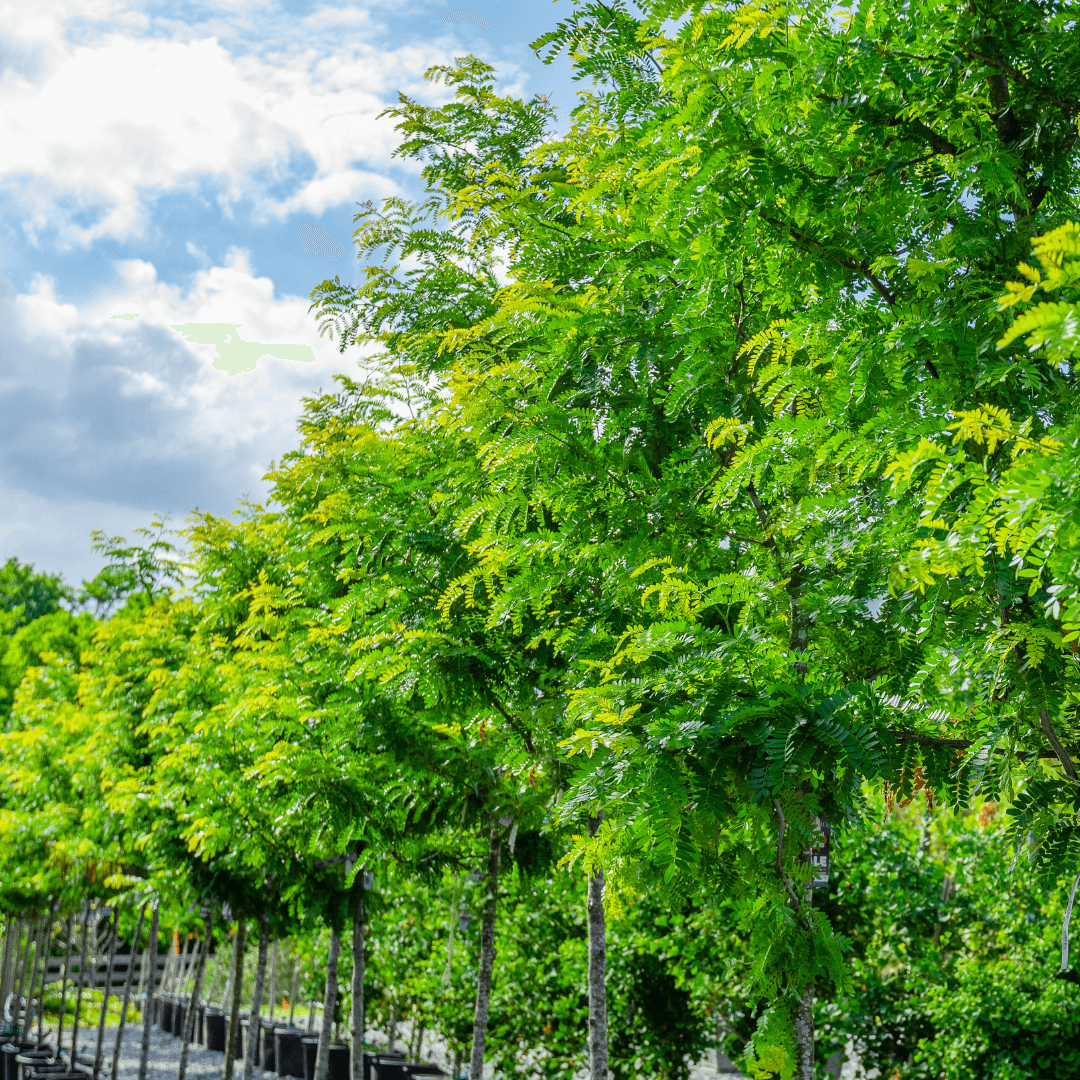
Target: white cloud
{"points": [[123, 418], [117, 121]]}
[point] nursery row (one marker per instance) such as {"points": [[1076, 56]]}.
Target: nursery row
{"points": [[668, 641]]}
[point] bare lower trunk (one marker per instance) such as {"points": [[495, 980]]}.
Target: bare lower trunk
{"points": [[271, 997], [292, 991], [65, 975], [196, 989], [13, 924], [322, 1058], [211, 994], [20, 982], [487, 959], [598, 1042], [105, 992], [45, 973], [356, 1061], [127, 991], [804, 1016], [150, 956], [391, 1034], [79, 987], [28, 986], [254, 1032], [236, 975]]}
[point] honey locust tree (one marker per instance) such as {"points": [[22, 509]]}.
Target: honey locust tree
{"points": [[762, 266]]}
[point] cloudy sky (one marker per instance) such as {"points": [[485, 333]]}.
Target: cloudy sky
{"points": [[164, 159]]}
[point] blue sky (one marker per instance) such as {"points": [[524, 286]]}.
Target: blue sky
{"points": [[159, 159]]}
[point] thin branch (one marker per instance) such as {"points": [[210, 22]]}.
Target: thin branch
{"points": [[991, 61], [779, 857], [1065, 924], [1055, 743]]}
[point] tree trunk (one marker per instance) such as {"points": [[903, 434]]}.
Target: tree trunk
{"points": [[150, 956], [254, 1034], [322, 1058], [20, 983], [81, 984], [271, 997], [196, 989], [804, 1015], [236, 975], [45, 973], [391, 1035], [65, 975], [5, 964], [294, 987], [127, 991], [105, 992], [598, 1041], [487, 959], [28, 986], [356, 1060], [211, 994]]}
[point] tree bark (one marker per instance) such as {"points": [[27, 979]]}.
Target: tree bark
{"points": [[127, 991], [81, 984], [356, 1060], [322, 1058], [236, 975], [487, 959], [254, 1017], [20, 983], [5, 964], [28, 986], [293, 990], [150, 956], [105, 991], [196, 989], [271, 997], [65, 975], [598, 1021], [45, 973]]}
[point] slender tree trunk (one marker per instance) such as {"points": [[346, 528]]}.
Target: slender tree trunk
{"points": [[20, 985], [293, 990], [271, 997], [28, 985], [804, 1015], [151, 957], [598, 1041], [105, 991], [211, 994], [487, 959], [45, 973], [127, 991], [5, 964], [236, 974], [322, 1058], [356, 1061], [256, 998], [82, 982], [187, 958], [65, 975], [196, 989]]}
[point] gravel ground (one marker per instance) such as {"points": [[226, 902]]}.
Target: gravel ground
{"points": [[203, 1064]]}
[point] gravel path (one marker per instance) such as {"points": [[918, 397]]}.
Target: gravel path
{"points": [[205, 1064]]}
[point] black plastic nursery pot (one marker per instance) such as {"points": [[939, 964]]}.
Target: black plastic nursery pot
{"points": [[178, 1017], [288, 1053], [267, 1053], [200, 1025], [387, 1057], [166, 1019], [422, 1068], [338, 1066], [215, 1030], [7, 1052], [310, 1045]]}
